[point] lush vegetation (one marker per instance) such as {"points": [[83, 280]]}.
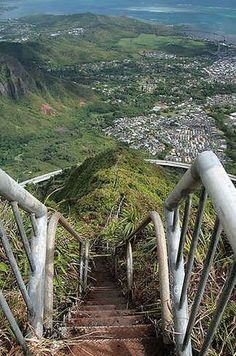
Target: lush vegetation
{"points": [[169, 44], [50, 116], [104, 199], [108, 195], [221, 116], [48, 123]]}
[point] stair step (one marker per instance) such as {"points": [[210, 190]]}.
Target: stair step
{"points": [[105, 301], [105, 293], [124, 332], [100, 313], [107, 320], [117, 347], [103, 307]]}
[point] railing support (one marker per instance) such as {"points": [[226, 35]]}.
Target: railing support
{"points": [[15, 270], [55, 219], [223, 300], [177, 279], [37, 278], [129, 259], [86, 261], [49, 271], [81, 270], [155, 218], [13, 324], [206, 171]]}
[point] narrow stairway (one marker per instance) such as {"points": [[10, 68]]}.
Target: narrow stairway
{"points": [[104, 326]]}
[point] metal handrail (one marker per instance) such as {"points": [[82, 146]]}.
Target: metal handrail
{"points": [[208, 172], [38, 297], [153, 217], [36, 254], [55, 219]]}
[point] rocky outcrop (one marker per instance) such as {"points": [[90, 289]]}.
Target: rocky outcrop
{"points": [[15, 80]]}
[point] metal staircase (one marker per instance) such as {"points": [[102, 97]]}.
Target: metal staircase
{"points": [[104, 324], [175, 266]]}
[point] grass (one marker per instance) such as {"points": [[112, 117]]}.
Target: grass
{"points": [[171, 44], [104, 199], [34, 143], [90, 195]]}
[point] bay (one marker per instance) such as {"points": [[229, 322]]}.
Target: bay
{"points": [[209, 15]]}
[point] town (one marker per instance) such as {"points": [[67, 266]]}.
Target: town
{"points": [[186, 134], [163, 102]]}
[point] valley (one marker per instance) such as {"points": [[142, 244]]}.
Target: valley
{"points": [[95, 99], [72, 86]]}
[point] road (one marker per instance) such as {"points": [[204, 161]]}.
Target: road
{"points": [[45, 177], [40, 179], [178, 165]]}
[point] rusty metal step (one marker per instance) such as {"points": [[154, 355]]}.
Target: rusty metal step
{"points": [[104, 295], [118, 347], [104, 301], [100, 313], [107, 320], [124, 332], [104, 307]]}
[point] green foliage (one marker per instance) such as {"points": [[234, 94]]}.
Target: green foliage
{"points": [[93, 192], [169, 44]]}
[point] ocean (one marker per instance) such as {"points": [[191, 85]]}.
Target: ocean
{"points": [[209, 15]]}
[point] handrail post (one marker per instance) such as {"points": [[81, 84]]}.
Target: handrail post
{"points": [[54, 220], [155, 218], [129, 257], [86, 260], [49, 270], [37, 278], [177, 278], [163, 273], [81, 270]]}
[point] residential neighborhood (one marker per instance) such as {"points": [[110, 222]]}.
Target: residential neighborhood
{"points": [[183, 136]]}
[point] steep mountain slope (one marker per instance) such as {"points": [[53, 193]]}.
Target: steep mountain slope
{"points": [[14, 79], [48, 122], [115, 183], [88, 194], [52, 101]]}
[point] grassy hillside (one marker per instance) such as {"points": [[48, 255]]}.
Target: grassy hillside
{"points": [[87, 197], [108, 195], [92, 192], [47, 122], [169, 44], [51, 111], [104, 199], [41, 132]]}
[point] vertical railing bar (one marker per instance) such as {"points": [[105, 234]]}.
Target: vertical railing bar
{"points": [[81, 269], [22, 232], [222, 302], [15, 269], [34, 224], [203, 280], [12, 321], [194, 242], [129, 257], [175, 219], [184, 229], [86, 260]]}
